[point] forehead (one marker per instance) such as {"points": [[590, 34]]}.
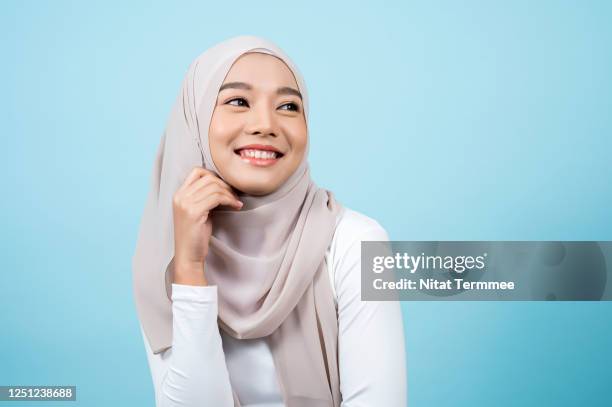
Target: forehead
{"points": [[260, 70]]}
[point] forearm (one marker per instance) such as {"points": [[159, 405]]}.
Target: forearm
{"points": [[194, 372]]}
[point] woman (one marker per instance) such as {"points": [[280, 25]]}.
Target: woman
{"points": [[246, 274]]}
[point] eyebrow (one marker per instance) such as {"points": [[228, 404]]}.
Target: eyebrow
{"points": [[283, 90]]}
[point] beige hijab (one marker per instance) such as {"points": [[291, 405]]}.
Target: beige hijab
{"points": [[266, 259]]}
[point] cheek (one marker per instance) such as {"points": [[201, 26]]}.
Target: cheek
{"points": [[299, 138], [223, 128]]}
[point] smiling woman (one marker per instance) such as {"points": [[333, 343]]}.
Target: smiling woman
{"points": [[246, 274], [258, 101]]}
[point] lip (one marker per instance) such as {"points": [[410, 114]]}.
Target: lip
{"points": [[259, 162]]}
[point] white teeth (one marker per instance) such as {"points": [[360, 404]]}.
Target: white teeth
{"points": [[267, 155]]}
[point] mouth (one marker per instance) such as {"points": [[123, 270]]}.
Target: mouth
{"points": [[259, 155]]}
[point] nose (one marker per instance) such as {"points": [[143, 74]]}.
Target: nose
{"points": [[261, 121]]}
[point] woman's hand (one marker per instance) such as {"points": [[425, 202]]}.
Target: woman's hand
{"points": [[201, 192]]}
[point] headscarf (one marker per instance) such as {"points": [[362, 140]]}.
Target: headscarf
{"points": [[266, 259]]}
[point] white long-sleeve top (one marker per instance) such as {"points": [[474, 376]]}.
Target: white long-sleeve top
{"points": [[204, 364]]}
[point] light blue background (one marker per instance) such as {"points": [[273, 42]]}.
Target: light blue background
{"points": [[442, 120]]}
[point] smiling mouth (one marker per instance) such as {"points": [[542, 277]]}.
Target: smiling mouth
{"points": [[260, 158]]}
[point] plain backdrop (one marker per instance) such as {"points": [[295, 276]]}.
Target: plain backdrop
{"points": [[443, 120]]}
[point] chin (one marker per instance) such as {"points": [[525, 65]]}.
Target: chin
{"points": [[260, 190], [256, 188]]}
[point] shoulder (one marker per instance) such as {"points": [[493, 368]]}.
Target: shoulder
{"points": [[344, 254], [352, 227]]}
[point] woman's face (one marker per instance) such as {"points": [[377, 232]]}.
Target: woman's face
{"points": [[258, 131]]}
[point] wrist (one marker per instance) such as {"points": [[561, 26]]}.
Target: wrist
{"points": [[189, 273]]}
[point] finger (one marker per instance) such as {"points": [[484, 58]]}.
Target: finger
{"points": [[213, 201], [206, 180], [198, 184], [195, 174], [213, 189]]}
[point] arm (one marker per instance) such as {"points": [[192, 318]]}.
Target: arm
{"points": [[370, 338], [192, 372]]}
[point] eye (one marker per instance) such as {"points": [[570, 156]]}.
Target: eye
{"points": [[237, 102], [290, 106]]}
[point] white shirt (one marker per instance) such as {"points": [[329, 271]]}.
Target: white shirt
{"points": [[204, 364]]}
